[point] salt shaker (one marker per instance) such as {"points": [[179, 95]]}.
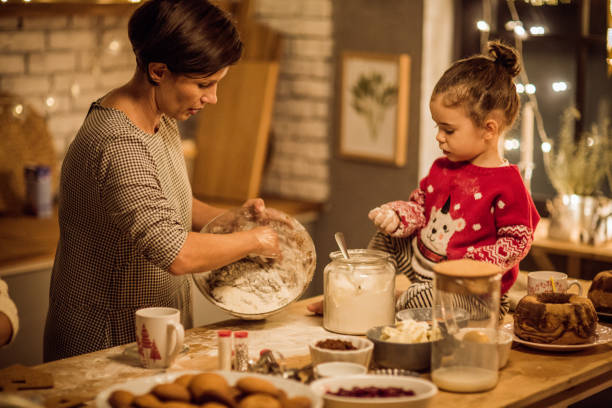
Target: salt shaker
{"points": [[241, 351], [224, 340]]}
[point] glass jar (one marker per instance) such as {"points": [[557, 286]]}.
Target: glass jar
{"points": [[465, 359], [359, 291]]}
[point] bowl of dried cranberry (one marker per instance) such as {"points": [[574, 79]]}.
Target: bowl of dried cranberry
{"points": [[361, 391], [341, 348]]}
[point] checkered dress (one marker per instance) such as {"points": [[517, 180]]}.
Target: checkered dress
{"points": [[124, 214]]}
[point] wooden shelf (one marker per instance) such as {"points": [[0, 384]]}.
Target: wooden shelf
{"points": [[542, 246], [26, 239]]}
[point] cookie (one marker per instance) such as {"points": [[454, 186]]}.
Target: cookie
{"points": [[255, 385], [259, 401], [146, 401], [171, 392], [297, 402], [120, 399], [180, 404], [235, 393], [209, 387], [213, 405], [184, 379]]}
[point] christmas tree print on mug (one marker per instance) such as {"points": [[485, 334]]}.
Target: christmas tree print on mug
{"points": [[159, 336]]}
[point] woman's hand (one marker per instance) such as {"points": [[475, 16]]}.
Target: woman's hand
{"points": [[385, 218], [316, 307], [267, 240], [256, 205]]}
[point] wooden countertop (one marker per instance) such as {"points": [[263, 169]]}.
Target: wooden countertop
{"points": [[531, 376], [27, 242]]}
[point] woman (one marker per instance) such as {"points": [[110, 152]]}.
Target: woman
{"points": [[126, 209]]}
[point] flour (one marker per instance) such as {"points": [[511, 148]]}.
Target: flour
{"points": [[253, 285], [358, 295]]}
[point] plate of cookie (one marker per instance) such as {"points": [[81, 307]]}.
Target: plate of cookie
{"points": [[224, 388], [603, 335]]}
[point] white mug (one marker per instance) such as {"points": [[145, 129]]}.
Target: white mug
{"points": [[159, 336], [539, 282]]}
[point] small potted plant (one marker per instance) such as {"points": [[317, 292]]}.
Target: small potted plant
{"points": [[577, 168]]}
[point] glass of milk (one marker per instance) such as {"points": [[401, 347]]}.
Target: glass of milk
{"points": [[466, 359], [358, 291]]}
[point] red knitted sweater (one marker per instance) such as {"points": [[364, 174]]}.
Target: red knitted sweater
{"points": [[465, 211]]}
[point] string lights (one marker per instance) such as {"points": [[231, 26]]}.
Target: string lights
{"points": [[531, 114], [609, 38], [30, 1], [546, 2], [524, 86]]}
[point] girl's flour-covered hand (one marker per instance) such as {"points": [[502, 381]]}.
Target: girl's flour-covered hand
{"points": [[385, 218]]}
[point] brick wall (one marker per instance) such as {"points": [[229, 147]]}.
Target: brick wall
{"points": [[59, 64], [299, 156], [73, 60]]}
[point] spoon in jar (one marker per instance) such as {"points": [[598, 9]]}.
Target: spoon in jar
{"points": [[341, 244]]}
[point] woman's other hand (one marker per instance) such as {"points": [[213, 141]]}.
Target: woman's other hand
{"points": [[256, 205], [385, 218], [268, 246], [316, 307]]}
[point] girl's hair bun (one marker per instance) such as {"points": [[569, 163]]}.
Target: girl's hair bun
{"points": [[505, 56]]}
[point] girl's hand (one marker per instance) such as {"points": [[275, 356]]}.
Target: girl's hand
{"points": [[267, 240], [385, 218]]}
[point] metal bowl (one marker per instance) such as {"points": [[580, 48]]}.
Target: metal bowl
{"points": [[409, 356], [254, 288]]}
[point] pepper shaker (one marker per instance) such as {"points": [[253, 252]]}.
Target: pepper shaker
{"points": [[241, 351]]}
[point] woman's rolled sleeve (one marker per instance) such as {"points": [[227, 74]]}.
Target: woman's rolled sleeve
{"points": [[132, 195]]}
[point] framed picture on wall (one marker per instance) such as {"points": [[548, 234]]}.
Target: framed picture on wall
{"points": [[374, 107]]}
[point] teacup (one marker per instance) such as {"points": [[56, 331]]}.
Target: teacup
{"points": [[159, 336], [550, 281]]}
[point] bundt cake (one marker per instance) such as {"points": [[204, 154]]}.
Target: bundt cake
{"points": [[555, 318], [600, 292]]}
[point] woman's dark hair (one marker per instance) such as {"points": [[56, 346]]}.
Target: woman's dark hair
{"points": [[189, 36], [483, 83]]}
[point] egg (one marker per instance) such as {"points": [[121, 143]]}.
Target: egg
{"points": [[476, 336]]}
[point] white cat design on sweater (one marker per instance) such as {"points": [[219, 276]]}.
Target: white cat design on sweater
{"points": [[440, 228]]}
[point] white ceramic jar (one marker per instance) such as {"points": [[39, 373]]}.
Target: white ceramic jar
{"points": [[359, 291]]}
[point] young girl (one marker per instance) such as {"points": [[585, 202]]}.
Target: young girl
{"points": [[472, 204]]}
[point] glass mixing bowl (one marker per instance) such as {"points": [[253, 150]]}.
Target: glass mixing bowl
{"points": [[254, 288]]}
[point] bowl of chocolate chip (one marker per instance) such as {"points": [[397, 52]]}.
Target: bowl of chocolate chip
{"points": [[351, 349], [366, 390], [253, 287]]}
